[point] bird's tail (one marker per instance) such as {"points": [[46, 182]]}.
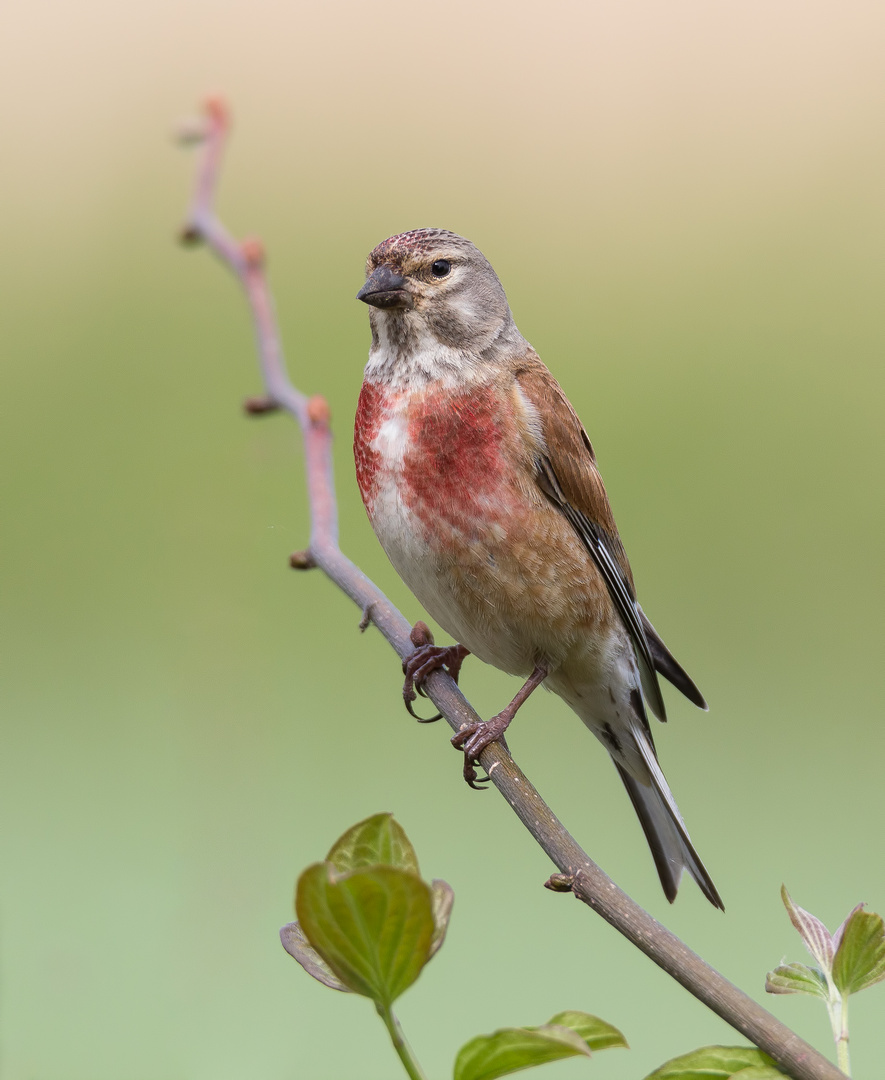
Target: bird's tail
{"points": [[663, 826]]}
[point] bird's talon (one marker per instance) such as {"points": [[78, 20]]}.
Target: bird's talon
{"points": [[408, 697], [426, 659], [428, 719], [461, 737], [471, 777]]}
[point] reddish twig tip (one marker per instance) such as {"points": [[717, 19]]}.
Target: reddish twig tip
{"points": [[318, 411], [218, 111], [253, 252]]}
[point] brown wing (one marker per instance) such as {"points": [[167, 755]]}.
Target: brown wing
{"points": [[566, 472]]}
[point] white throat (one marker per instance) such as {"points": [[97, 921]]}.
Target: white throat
{"points": [[406, 355]]}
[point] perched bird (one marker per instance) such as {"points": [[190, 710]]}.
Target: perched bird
{"points": [[482, 486]]}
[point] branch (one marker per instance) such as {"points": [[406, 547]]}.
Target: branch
{"points": [[578, 873]]}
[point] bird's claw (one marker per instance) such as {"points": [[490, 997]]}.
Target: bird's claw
{"points": [[472, 739], [471, 778], [408, 697], [427, 658]]}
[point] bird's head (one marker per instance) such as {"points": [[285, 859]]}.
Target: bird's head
{"points": [[431, 288]]}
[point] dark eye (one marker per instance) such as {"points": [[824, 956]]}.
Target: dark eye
{"points": [[441, 267]]}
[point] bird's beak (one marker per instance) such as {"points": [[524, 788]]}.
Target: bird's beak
{"points": [[385, 288]]}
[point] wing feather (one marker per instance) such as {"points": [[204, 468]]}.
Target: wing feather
{"points": [[667, 664], [567, 474]]}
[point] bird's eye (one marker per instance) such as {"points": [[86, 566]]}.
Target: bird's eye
{"points": [[440, 268]]}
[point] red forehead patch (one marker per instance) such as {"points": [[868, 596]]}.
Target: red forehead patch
{"points": [[414, 242]]}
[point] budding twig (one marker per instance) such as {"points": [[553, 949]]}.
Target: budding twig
{"points": [[578, 873]]}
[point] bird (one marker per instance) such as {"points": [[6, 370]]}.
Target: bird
{"points": [[483, 489]]}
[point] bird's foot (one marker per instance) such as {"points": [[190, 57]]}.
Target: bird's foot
{"points": [[426, 658], [474, 738]]}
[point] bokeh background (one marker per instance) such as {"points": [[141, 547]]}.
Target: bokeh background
{"points": [[685, 204]]}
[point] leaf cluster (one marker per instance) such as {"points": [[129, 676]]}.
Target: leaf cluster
{"points": [[368, 924], [852, 959]]}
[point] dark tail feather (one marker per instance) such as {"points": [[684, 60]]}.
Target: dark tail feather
{"points": [[670, 845], [668, 666]]}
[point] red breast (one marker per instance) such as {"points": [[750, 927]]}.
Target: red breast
{"points": [[372, 410], [448, 451]]}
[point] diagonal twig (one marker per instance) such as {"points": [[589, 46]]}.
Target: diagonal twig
{"points": [[578, 873]]}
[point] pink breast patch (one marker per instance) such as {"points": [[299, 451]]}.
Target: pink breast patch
{"points": [[370, 414], [454, 459]]}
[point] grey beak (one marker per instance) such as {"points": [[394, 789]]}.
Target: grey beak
{"points": [[385, 289]]}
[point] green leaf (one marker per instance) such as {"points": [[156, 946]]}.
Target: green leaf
{"points": [[298, 947], [596, 1033], [837, 937], [511, 1049], [719, 1063], [442, 897], [378, 841], [373, 927], [760, 1072], [860, 958], [797, 979], [568, 1034], [818, 940]]}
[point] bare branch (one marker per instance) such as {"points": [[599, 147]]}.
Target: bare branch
{"points": [[578, 873]]}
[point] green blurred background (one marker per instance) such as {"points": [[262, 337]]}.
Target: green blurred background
{"points": [[685, 204]]}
